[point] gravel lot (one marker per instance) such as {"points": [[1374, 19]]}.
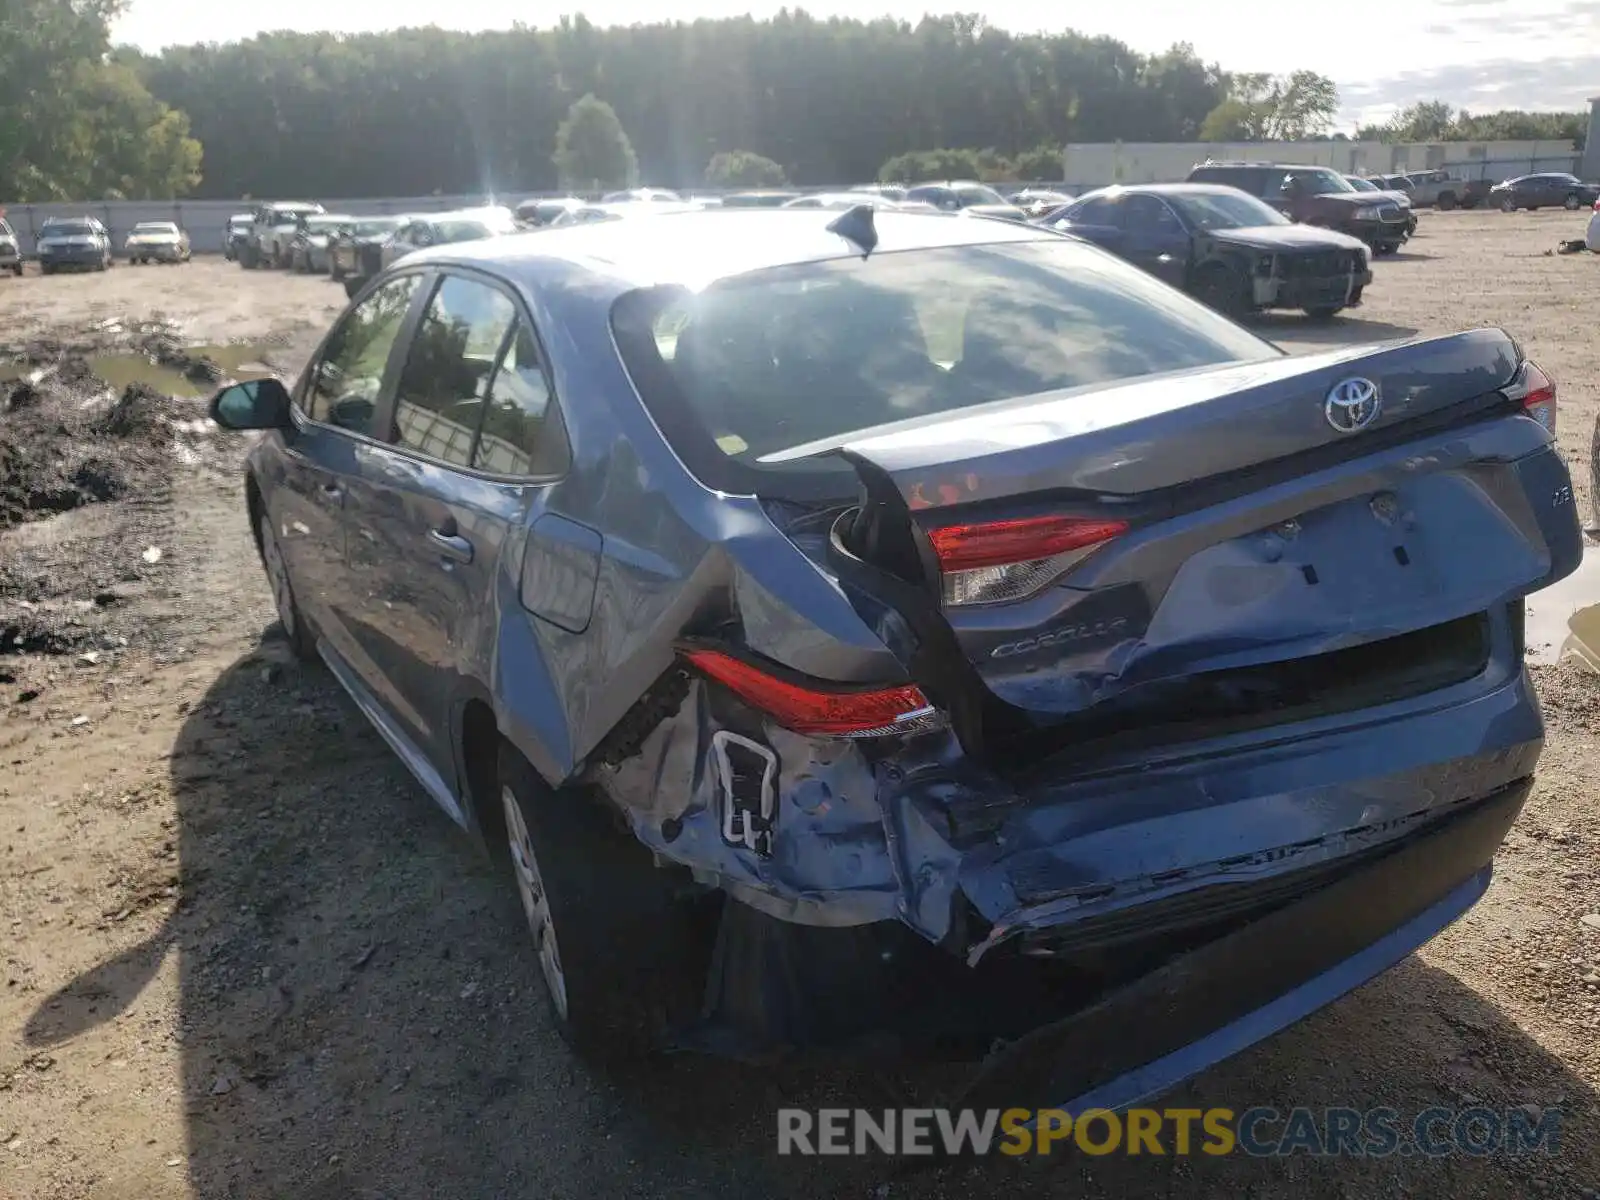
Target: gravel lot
{"points": [[244, 956]]}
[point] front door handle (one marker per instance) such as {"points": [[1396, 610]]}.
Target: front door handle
{"points": [[450, 544]]}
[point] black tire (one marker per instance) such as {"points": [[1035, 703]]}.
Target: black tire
{"points": [[293, 623], [1508, 204], [1573, 202], [46, 269], [1447, 201], [1324, 312], [1222, 289], [352, 285], [619, 951], [335, 271], [17, 270], [1386, 248]]}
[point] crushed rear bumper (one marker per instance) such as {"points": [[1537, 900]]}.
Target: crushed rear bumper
{"points": [[1212, 1002]]}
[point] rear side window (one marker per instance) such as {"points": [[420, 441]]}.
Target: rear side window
{"points": [[816, 353], [449, 366], [514, 417]]}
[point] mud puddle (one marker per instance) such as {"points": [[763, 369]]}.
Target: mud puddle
{"points": [[1552, 612], [186, 372]]}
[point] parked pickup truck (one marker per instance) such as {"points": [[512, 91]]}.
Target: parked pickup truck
{"points": [[1436, 189]]}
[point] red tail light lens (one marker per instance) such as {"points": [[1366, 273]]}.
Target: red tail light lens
{"points": [[1536, 392], [818, 708], [999, 561]]}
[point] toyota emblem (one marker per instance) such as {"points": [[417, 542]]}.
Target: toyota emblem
{"points": [[1352, 405]]}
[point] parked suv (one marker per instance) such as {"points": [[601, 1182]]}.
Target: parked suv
{"points": [[10, 249], [273, 228], [1314, 196], [236, 234], [66, 242]]}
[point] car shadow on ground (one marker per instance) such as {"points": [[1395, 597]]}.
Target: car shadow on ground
{"points": [[361, 1017], [1400, 256], [1342, 330]]}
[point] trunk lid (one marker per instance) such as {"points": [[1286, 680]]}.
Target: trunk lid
{"points": [[1253, 532], [1150, 434]]}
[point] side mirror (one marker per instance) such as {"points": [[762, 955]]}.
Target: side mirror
{"points": [[254, 404]]}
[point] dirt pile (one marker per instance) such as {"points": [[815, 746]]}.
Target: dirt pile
{"points": [[57, 455]]}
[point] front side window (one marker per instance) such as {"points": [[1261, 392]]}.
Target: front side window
{"points": [[345, 381], [1149, 217], [764, 363], [440, 398]]}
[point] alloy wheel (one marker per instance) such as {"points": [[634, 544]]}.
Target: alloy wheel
{"points": [[535, 901]]}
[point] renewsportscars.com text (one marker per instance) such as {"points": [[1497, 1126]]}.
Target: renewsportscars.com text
{"points": [[1258, 1132]]}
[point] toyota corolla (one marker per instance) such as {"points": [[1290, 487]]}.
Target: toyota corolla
{"points": [[876, 628]]}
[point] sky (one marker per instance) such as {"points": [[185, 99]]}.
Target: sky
{"points": [[1383, 54]]}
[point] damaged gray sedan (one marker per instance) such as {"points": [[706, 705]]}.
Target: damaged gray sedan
{"points": [[887, 630]]}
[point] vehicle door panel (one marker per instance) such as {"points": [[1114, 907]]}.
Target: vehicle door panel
{"points": [[437, 501], [1154, 239], [336, 404]]}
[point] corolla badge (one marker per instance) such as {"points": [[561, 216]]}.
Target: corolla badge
{"points": [[1352, 404]]}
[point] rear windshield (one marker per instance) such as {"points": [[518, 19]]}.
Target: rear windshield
{"points": [[778, 359]]}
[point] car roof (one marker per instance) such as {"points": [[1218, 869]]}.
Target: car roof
{"points": [[709, 244], [1165, 189]]}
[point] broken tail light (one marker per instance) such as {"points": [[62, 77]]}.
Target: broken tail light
{"points": [[998, 561], [1536, 393], [818, 708]]}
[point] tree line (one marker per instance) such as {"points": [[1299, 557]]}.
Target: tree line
{"points": [[734, 102], [77, 121], [1436, 121]]}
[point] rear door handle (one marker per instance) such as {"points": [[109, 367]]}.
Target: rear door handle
{"points": [[451, 545]]}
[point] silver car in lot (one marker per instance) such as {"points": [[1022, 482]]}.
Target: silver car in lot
{"points": [[10, 249], [157, 241]]}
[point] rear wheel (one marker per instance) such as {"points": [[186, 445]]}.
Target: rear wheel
{"points": [[1508, 204], [17, 270], [617, 948], [1322, 312], [1447, 201], [1573, 202], [1222, 288]]}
